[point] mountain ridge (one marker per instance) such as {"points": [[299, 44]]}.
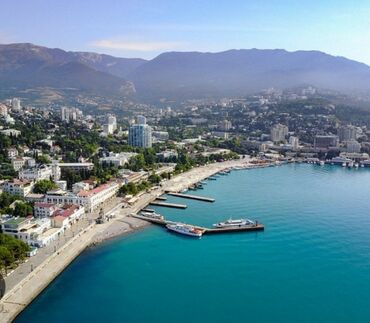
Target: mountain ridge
{"points": [[180, 75]]}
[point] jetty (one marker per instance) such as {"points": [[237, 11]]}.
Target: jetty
{"points": [[257, 227], [173, 205], [192, 197], [161, 198]]}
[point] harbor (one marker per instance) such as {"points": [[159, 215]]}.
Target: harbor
{"points": [[36, 281]]}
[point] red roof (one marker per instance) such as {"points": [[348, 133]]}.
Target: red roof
{"points": [[94, 191]]}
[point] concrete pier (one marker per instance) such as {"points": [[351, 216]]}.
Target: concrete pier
{"points": [[173, 205], [192, 197], [257, 227]]}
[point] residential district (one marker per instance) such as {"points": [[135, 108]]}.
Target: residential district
{"points": [[60, 165]]}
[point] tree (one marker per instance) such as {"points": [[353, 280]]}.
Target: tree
{"points": [[43, 186], [43, 159], [22, 209], [154, 178]]}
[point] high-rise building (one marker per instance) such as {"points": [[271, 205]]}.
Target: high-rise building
{"points": [[347, 133], [279, 132], [70, 114], [141, 120], [140, 134], [353, 146], [112, 120], [225, 125], [294, 142], [16, 104], [3, 110]]}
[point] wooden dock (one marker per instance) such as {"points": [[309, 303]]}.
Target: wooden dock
{"points": [[173, 205], [192, 197], [258, 227]]}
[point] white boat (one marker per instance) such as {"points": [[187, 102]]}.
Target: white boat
{"points": [[322, 163], [185, 229], [235, 223], [153, 215]]}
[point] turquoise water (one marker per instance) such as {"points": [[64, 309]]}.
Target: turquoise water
{"points": [[311, 264]]}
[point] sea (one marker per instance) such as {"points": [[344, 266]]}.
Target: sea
{"points": [[311, 264]]}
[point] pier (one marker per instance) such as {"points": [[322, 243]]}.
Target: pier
{"points": [[192, 197], [173, 205], [257, 227], [161, 198]]}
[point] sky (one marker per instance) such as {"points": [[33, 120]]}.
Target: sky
{"points": [[144, 28]]}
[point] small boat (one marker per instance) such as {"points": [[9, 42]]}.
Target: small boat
{"points": [[212, 178], [235, 223], [185, 229], [203, 183], [357, 165], [344, 164], [322, 163], [153, 215]]}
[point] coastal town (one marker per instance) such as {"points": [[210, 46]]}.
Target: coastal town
{"points": [[70, 180]]}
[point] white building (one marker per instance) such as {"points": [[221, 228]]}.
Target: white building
{"points": [[36, 173], [18, 187], [294, 142], [117, 159], [353, 146], [3, 110], [18, 163], [31, 231], [347, 133], [160, 135], [140, 134], [16, 105], [89, 199], [42, 210], [11, 132], [225, 125], [70, 114], [279, 132], [12, 152]]}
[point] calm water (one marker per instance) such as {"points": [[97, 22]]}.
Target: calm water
{"points": [[312, 263]]}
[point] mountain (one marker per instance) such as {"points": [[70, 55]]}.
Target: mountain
{"points": [[26, 66], [175, 75]]}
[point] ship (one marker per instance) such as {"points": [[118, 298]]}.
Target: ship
{"points": [[235, 223], [185, 229], [153, 215]]}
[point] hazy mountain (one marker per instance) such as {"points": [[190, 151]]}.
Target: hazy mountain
{"points": [[178, 75], [237, 72], [28, 66]]}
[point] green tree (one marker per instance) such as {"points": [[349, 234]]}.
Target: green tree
{"points": [[43, 186]]}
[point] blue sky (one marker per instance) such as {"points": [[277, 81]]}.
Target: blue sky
{"points": [[143, 28]]}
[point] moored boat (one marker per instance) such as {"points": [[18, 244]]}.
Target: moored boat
{"points": [[185, 229], [153, 215], [235, 223]]}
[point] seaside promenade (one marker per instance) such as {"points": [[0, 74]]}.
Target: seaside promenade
{"points": [[16, 299]]}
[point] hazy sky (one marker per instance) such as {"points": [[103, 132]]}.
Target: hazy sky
{"points": [[143, 28]]}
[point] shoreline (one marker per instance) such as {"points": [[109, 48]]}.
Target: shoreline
{"points": [[22, 294]]}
